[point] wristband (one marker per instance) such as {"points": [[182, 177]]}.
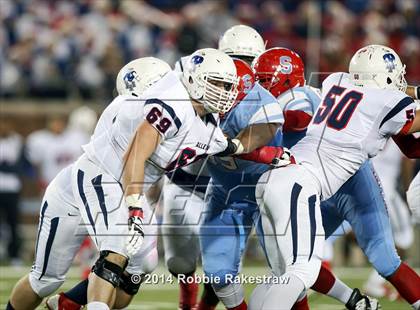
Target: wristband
{"points": [[234, 147], [135, 200], [135, 212], [239, 147]]}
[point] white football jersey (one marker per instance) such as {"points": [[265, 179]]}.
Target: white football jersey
{"points": [[351, 125], [53, 152], [165, 105], [109, 115]]}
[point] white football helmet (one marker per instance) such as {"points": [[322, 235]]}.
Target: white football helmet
{"points": [[241, 40], [210, 78], [377, 66], [138, 75]]}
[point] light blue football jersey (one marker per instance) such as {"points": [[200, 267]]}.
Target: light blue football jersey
{"points": [[258, 107]]}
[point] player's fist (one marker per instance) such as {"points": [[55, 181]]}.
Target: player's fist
{"points": [[283, 158], [135, 231], [275, 156]]}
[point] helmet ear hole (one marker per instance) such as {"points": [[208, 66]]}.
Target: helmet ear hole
{"points": [[190, 80], [388, 80]]}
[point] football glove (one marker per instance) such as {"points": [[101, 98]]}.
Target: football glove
{"points": [[283, 159], [275, 156], [135, 223]]}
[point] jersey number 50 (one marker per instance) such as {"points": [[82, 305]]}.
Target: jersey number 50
{"points": [[339, 117]]}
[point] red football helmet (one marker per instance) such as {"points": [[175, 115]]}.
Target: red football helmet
{"points": [[279, 69], [246, 79]]}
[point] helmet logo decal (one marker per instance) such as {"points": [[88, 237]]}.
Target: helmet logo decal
{"points": [[196, 60], [389, 61], [129, 80], [247, 79], [285, 65]]}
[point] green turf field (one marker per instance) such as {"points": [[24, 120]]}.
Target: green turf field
{"points": [[164, 295]]}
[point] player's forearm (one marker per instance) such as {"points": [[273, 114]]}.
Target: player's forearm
{"points": [[133, 176], [141, 148], [258, 135], [263, 155], [413, 91]]}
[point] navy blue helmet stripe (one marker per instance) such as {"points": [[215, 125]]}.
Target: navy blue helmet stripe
{"points": [[97, 185], [80, 176], [168, 109], [397, 109], [312, 203], [50, 240], [293, 218]]}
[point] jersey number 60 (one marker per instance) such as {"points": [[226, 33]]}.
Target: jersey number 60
{"points": [[340, 116]]}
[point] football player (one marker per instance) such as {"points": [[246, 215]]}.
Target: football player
{"points": [[132, 81], [256, 115], [252, 123], [281, 71], [159, 133], [231, 210], [359, 112]]}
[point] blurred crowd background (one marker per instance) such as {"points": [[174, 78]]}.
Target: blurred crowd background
{"points": [[75, 48], [57, 55]]}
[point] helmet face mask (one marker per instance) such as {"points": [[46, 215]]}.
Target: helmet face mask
{"points": [[218, 95], [210, 78], [377, 66], [267, 80]]}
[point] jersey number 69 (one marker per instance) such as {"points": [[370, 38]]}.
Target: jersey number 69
{"points": [[155, 115]]}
